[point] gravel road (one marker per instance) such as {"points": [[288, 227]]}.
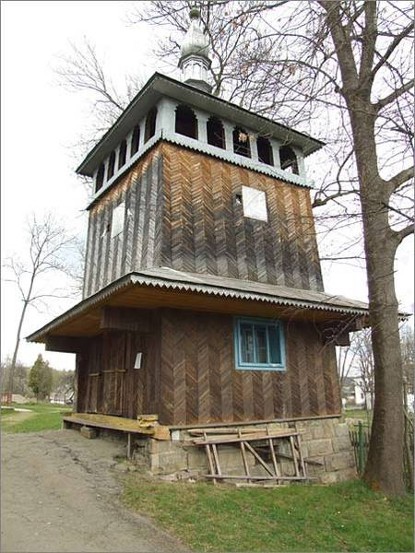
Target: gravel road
{"points": [[60, 494]]}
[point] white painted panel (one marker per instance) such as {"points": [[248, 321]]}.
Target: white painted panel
{"points": [[254, 203], [118, 220]]}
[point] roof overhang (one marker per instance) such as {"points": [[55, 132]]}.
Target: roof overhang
{"points": [[159, 86], [167, 288]]}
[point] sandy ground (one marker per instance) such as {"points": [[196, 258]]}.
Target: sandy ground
{"points": [[60, 493]]}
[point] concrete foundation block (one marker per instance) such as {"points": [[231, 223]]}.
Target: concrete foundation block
{"points": [[88, 432], [197, 459], [339, 461], [342, 430], [341, 444], [317, 448]]}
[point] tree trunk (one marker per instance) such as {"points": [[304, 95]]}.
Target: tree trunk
{"points": [[16, 347], [384, 465], [384, 468]]}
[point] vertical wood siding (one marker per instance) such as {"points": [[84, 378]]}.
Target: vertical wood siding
{"points": [[107, 380], [138, 245]]}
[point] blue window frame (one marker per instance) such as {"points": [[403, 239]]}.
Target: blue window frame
{"points": [[259, 344]]}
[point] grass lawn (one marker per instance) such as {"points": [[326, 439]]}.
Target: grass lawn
{"points": [[41, 416], [340, 517], [358, 414]]}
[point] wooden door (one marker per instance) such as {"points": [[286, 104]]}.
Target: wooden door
{"points": [[114, 372]]}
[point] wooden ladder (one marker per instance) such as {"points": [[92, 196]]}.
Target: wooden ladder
{"points": [[246, 444]]}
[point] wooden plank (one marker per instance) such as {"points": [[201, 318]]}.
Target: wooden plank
{"points": [[216, 457], [67, 344], [251, 477], [210, 460], [301, 456], [258, 458], [273, 457], [243, 453], [121, 318], [294, 454], [225, 431], [250, 437]]}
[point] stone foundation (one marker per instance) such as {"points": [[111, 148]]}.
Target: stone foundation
{"points": [[325, 444]]}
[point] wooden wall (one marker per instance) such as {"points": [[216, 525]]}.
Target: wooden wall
{"points": [[182, 212], [199, 382], [107, 381], [189, 377], [204, 230], [138, 246]]}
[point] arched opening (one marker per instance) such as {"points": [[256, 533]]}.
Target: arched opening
{"points": [[216, 133], [288, 160], [264, 151], [241, 142], [135, 141], [122, 156], [186, 121], [111, 165], [100, 177], [150, 129]]}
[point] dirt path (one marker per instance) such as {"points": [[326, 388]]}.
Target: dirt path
{"points": [[60, 494]]}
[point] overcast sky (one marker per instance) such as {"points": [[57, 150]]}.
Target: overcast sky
{"points": [[41, 122]]}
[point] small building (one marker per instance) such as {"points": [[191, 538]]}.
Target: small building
{"points": [[203, 297]]}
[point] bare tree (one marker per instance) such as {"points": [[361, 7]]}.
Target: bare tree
{"points": [[365, 370], [408, 357], [82, 70], [50, 253], [345, 363]]}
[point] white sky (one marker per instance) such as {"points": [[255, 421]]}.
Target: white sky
{"points": [[41, 121]]}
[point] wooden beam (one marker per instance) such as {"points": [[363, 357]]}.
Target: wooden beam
{"points": [[122, 318], [66, 344]]}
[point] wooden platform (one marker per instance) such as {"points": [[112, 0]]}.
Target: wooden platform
{"points": [[144, 425]]}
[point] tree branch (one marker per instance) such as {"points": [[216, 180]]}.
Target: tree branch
{"points": [[398, 180], [380, 104], [391, 48], [403, 233]]}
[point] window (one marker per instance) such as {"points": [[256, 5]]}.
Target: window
{"points": [[216, 133], [264, 151], [288, 160], [135, 141], [150, 129], [100, 177], [122, 156], [241, 142], [186, 122], [111, 165], [259, 344]]}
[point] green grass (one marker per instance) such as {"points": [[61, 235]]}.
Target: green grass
{"points": [[42, 416], [341, 517], [358, 414]]}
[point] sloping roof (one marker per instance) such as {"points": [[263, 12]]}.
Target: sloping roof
{"points": [[166, 287], [158, 86]]}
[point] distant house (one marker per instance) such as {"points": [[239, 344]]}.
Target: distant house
{"points": [[354, 395]]}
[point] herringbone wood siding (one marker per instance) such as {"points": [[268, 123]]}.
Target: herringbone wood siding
{"points": [[181, 211], [189, 376], [199, 382], [204, 230]]}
